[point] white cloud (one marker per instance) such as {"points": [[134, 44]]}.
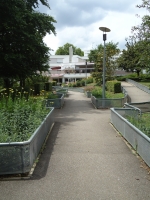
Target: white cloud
{"points": [[78, 22]]}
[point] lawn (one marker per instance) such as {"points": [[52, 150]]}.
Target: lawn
{"points": [[145, 84]]}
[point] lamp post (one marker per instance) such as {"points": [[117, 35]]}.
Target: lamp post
{"points": [[86, 72], [104, 29]]}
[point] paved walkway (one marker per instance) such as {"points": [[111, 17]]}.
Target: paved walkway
{"points": [[135, 93], [84, 159]]}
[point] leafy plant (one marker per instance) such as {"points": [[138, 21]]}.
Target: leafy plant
{"points": [[51, 96], [20, 115], [142, 123], [89, 88], [97, 92]]}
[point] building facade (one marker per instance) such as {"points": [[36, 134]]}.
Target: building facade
{"points": [[70, 68]]}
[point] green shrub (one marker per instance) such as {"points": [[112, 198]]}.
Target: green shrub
{"points": [[89, 88], [114, 86], [20, 118], [70, 85], [74, 85], [121, 78], [117, 87], [51, 96], [82, 82], [38, 87], [97, 92], [48, 86], [79, 84], [89, 80], [54, 83]]}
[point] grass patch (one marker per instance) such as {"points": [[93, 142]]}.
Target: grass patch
{"points": [[145, 84]]}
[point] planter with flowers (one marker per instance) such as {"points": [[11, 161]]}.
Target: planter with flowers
{"points": [[88, 91]]}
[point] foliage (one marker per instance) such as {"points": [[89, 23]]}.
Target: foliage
{"points": [[38, 78], [129, 60], [142, 123], [64, 50], [51, 95], [38, 87], [136, 56], [114, 86], [48, 86], [97, 92], [20, 116], [89, 80], [89, 88], [22, 50], [96, 56], [78, 83]]}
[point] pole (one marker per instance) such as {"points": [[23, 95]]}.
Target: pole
{"points": [[86, 73], [104, 67], [104, 29]]}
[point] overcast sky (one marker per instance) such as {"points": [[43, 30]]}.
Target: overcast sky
{"points": [[78, 22]]}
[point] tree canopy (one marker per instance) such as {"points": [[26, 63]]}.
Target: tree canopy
{"points": [[96, 56], [136, 55], [22, 50], [64, 50]]}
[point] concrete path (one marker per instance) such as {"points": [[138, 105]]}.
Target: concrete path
{"points": [[84, 159], [135, 93]]}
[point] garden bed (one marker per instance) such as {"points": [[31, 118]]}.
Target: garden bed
{"points": [[18, 157], [57, 101], [139, 141], [108, 103]]}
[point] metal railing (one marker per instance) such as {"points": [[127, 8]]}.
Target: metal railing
{"points": [[143, 106], [18, 157], [138, 85]]}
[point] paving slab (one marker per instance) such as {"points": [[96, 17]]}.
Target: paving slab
{"points": [[84, 158]]}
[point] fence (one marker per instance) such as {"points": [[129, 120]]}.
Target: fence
{"points": [[18, 157], [143, 106]]}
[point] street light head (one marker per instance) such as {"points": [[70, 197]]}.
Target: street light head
{"points": [[104, 29]]}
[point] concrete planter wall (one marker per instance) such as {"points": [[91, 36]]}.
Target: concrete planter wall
{"points": [[108, 103], [18, 157], [88, 94], [139, 141], [56, 103]]}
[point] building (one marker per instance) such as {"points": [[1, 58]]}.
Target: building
{"points": [[70, 68]]}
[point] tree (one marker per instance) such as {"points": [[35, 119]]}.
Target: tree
{"points": [[22, 50], [64, 50], [138, 44], [130, 59], [96, 56]]}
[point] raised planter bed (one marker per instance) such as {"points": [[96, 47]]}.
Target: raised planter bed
{"points": [[19, 157], [139, 141], [108, 103], [56, 103], [87, 94], [62, 91]]}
